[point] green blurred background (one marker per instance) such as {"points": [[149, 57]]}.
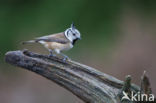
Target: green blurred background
{"points": [[118, 38]]}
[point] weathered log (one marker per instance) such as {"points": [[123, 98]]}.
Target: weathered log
{"points": [[87, 83]]}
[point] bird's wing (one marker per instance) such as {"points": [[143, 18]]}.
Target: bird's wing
{"points": [[59, 38]]}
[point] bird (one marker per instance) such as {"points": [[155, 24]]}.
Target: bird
{"points": [[58, 42]]}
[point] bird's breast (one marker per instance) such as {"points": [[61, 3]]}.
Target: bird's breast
{"points": [[59, 46]]}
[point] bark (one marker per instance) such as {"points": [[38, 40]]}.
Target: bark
{"points": [[87, 83]]}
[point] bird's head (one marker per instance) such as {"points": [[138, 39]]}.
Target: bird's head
{"points": [[72, 33]]}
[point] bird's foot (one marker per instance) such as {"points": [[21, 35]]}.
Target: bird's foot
{"points": [[51, 55], [66, 58]]}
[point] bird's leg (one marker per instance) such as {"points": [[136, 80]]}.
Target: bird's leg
{"points": [[51, 53], [65, 57]]}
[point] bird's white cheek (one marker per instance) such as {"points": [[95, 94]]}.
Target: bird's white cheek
{"points": [[70, 38]]}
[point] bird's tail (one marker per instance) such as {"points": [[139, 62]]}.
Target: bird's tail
{"points": [[28, 42]]}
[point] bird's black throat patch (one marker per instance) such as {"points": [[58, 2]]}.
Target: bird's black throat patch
{"points": [[74, 41]]}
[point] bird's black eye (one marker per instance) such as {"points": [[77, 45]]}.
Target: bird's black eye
{"points": [[74, 34]]}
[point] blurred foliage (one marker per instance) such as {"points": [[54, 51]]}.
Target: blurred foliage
{"points": [[22, 18], [96, 20]]}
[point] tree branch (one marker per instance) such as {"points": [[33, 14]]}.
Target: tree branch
{"points": [[89, 84]]}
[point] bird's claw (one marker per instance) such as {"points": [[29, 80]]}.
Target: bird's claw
{"points": [[66, 58], [51, 55]]}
